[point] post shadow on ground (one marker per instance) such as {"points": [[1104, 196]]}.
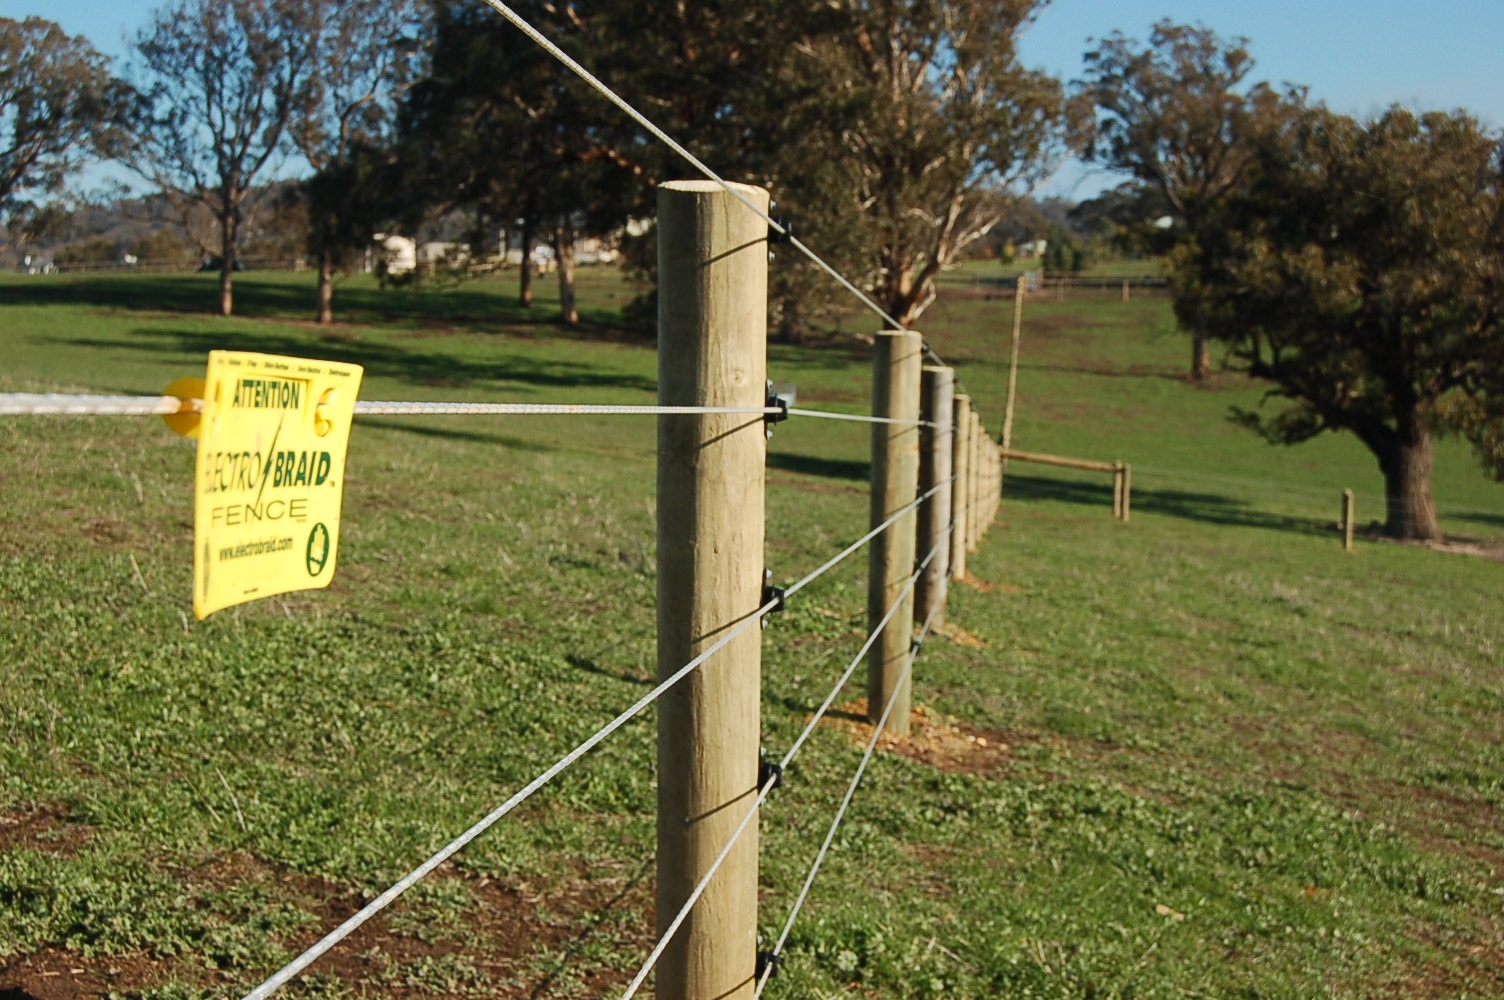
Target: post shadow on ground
{"points": [[830, 468], [1210, 508]]}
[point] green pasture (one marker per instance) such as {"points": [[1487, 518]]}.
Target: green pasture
{"points": [[1203, 754]]}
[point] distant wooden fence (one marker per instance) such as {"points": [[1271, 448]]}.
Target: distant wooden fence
{"points": [[1122, 475]]}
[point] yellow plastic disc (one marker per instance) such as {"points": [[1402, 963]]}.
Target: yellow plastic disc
{"points": [[185, 423]]}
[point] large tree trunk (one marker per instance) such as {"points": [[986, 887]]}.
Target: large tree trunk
{"points": [[564, 259], [525, 276], [326, 286], [227, 233], [1201, 356], [790, 326], [1406, 463]]}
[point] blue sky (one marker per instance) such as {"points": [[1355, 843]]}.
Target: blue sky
{"points": [[1359, 56]]}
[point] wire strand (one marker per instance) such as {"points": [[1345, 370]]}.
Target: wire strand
{"points": [[337, 935], [767, 787], [699, 890], [858, 417], [794, 588], [877, 731], [841, 683]]}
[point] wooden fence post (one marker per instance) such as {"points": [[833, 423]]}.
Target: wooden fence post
{"points": [[1125, 289], [1011, 401], [936, 408], [896, 365], [974, 523], [1349, 513], [1117, 491], [1127, 492], [712, 351], [961, 469]]}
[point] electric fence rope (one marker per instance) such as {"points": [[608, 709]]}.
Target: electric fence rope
{"points": [[610, 95], [59, 404], [14, 404], [334, 937], [767, 786], [851, 788]]}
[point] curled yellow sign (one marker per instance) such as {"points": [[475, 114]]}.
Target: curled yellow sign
{"points": [[269, 480]]}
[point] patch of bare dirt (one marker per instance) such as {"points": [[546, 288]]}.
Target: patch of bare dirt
{"points": [[45, 829], [1491, 549], [940, 741], [959, 636], [521, 940]]}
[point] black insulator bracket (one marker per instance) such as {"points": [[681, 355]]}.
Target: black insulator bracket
{"points": [[767, 962], [774, 594], [780, 398], [769, 771]]}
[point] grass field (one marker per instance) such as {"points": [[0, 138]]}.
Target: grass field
{"points": [[1204, 754]]}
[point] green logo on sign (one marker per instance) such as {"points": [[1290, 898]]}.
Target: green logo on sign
{"points": [[318, 549]]}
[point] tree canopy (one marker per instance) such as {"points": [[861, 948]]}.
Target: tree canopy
{"points": [[221, 78], [59, 105], [1360, 270], [1180, 117], [361, 57], [936, 126]]}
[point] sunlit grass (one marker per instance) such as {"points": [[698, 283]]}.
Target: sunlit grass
{"points": [[1222, 757]]}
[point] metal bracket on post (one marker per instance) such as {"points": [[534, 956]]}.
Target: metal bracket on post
{"points": [[766, 771], [767, 961], [781, 396], [771, 594]]}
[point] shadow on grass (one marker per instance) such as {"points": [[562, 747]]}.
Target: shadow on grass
{"points": [[479, 306], [590, 666], [451, 434], [1476, 517], [831, 468], [430, 368], [1211, 508]]}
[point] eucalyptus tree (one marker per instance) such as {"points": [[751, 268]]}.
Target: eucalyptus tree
{"points": [[1360, 271], [1180, 117], [59, 106], [362, 55], [497, 127], [936, 126], [221, 81]]}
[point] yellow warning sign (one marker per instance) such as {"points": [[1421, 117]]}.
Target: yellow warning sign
{"points": [[269, 479]]}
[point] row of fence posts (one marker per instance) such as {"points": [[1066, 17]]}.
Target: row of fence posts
{"points": [[712, 352]]}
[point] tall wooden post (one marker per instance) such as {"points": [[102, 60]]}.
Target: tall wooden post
{"points": [[974, 520], [1009, 402], [896, 365], [1349, 513], [961, 471], [936, 408], [1127, 492], [712, 351], [1117, 490]]}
